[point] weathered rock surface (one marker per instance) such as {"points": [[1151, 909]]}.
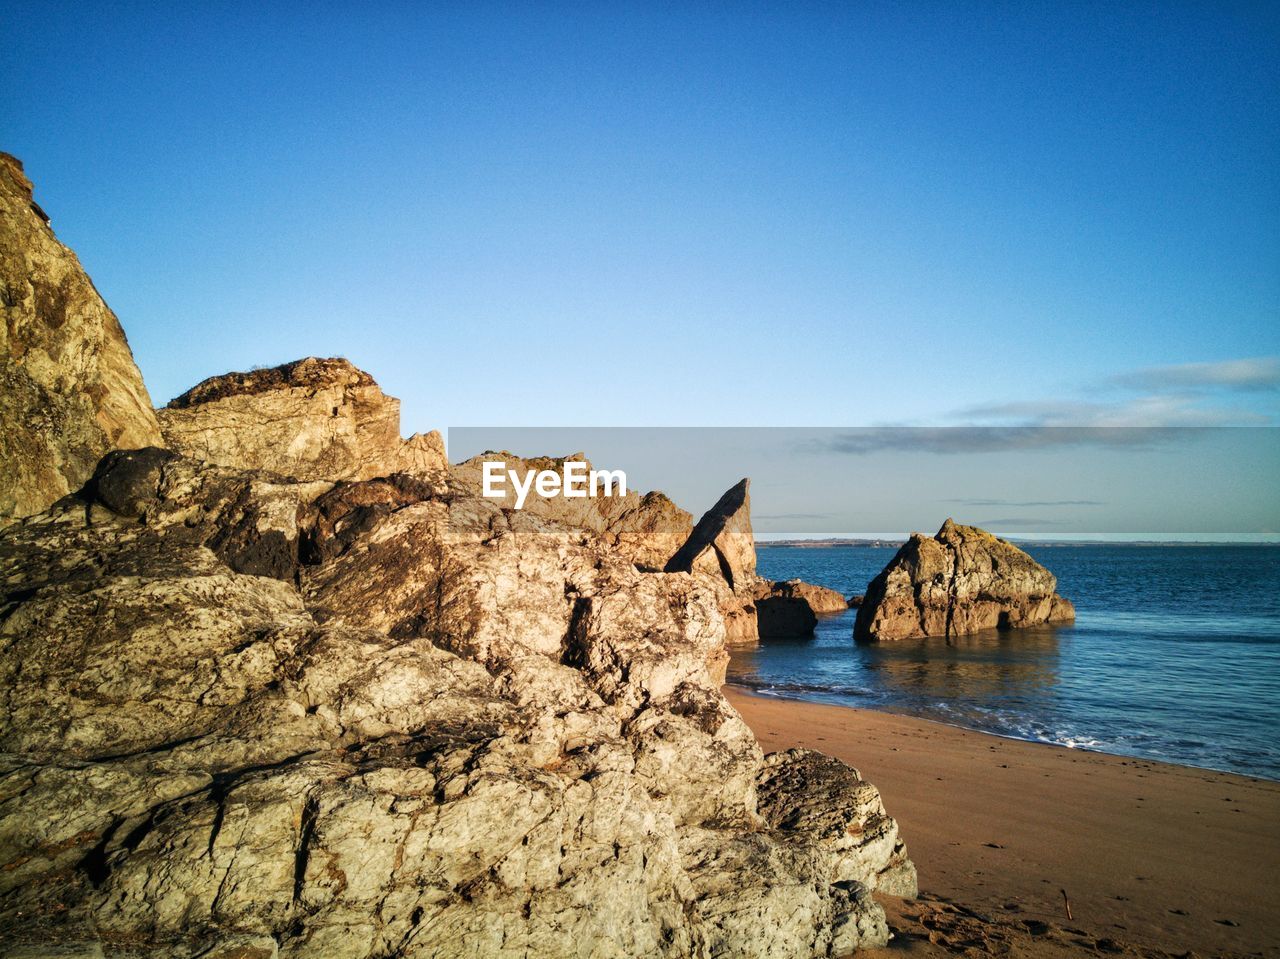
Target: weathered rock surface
{"points": [[961, 581], [390, 718], [312, 419], [254, 709], [646, 528], [69, 389]]}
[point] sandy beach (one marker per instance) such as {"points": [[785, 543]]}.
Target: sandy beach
{"points": [[1153, 858]]}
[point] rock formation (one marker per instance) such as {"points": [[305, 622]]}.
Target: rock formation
{"points": [[788, 609], [69, 389], [253, 714], [961, 581], [388, 717], [782, 617], [648, 529], [821, 600], [310, 419], [722, 547]]}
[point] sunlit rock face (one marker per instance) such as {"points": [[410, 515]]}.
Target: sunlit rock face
{"points": [[355, 718], [310, 419], [69, 389], [963, 580], [256, 709]]}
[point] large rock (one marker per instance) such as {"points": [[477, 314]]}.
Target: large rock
{"points": [[433, 728], [723, 541], [820, 599], [963, 580], [69, 389], [310, 419], [247, 714]]}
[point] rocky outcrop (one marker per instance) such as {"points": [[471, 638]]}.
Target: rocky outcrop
{"points": [[722, 542], [311, 419], [789, 609], [257, 710], [69, 388], [963, 580], [389, 717], [722, 547], [783, 617], [646, 528]]}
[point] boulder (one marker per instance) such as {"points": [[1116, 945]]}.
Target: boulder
{"points": [[69, 388], [784, 617], [963, 580], [821, 600], [312, 419]]}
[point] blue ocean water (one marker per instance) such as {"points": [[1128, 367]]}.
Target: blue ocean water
{"points": [[1174, 655]]}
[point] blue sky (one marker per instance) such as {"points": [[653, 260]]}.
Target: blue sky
{"points": [[810, 214]]}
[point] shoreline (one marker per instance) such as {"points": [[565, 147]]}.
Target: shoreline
{"points": [[1153, 855], [745, 690]]}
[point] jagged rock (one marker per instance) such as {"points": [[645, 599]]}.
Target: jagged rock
{"points": [[722, 542], [648, 529], [961, 581], [69, 388], [443, 729], [722, 547], [313, 419]]}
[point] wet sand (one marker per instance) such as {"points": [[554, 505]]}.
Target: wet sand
{"points": [[1153, 857]]}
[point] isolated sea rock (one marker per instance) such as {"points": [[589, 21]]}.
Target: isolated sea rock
{"points": [[646, 528], [963, 580], [312, 419], [69, 388], [790, 608]]}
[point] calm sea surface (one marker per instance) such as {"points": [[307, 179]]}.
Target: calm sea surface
{"points": [[1174, 655]]}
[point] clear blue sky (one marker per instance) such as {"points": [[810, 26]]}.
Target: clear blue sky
{"points": [[758, 214]]}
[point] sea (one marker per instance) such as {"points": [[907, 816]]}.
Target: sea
{"points": [[1174, 655]]}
